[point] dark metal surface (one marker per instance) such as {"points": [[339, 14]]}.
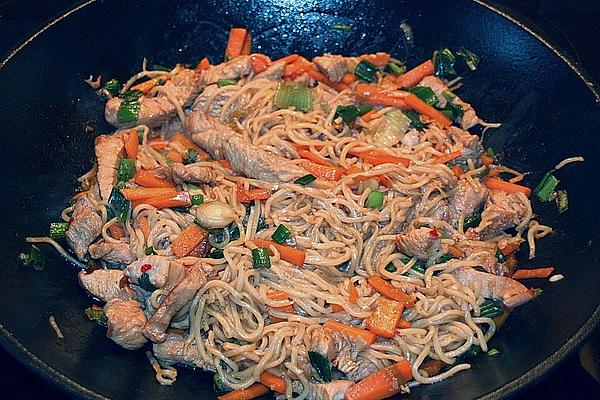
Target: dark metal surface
{"points": [[548, 112]]}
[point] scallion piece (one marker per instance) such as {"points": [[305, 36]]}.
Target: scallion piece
{"points": [[341, 27], [415, 120], [501, 258], [365, 71], [58, 230], [96, 314], [375, 200], [281, 234], [145, 283], [483, 173], [140, 132], [150, 251], [293, 95], [119, 205], [392, 129], [470, 58], [396, 69], [215, 253], [126, 169], [305, 180], [390, 267], [472, 221], [260, 258], [562, 201], [490, 152], [321, 364], [452, 111], [347, 113], [128, 111], [34, 259], [445, 258], [471, 351], [545, 190], [364, 108], [418, 267], [197, 199], [226, 82], [490, 309], [113, 87], [443, 63], [190, 157], [425, 94], [492, 352]]}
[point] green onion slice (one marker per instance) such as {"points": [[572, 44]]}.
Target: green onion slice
{"points": [[545, 190], [226, 82], [365, 71], [347, 113], [470, 58], [472, 221], [294, 95], [260, 258], [281, 234], [58, 230], [305, 180], [197, 199], [126, 169], [425, 94]]}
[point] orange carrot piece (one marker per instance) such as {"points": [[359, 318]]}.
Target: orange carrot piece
{"points": [[296, 67], [458, 171], [385, 181], [246, 196], [288, 59], [533, 273], [202, 65], [381, 384], [132, 144], [253, 391], [80, 195], [329, 173], [273, 382], [309, 155], [390, 291], [319, 77], [145, 87], [455, 251], [510, 248], [403, 324], [498, 184], [336, 308], [188, 240], [415, 103], [235, 43], [375, 157], [384, 319], [280, 295], [144, 193], [414, 76], [144, 226], [188, 144], [349, 79], [364, 334], [372, 94], [247, 48], [147, 179], [352, 293], [378, 59], [174, 156], [487, 160], [293, 256], [370, 116], [181, 199], [158, 144], [116, 231], [259, 62], [447, 157], [225, 164]]}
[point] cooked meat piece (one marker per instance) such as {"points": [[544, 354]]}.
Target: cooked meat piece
{"points": [[502, 211], [511, 292], [321, 342], [439, 210], [486, 257], [273, 73], [465, 199], [161, 271], [126, 321], [234, 69], [333, 67], [248, 159], [183, 87], [181, 295], [347, 357], [172, 351], [108, 150], [105, 284], [84, 227], [420, 243], [187, 173], [334, 390], [116, 253], [468, 144]]}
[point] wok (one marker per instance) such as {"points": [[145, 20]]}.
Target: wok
{"points": [[548, 108]]}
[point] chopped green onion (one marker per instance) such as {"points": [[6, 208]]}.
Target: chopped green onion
{"points": [[58, 230], [347, 113], [128, 111], [445, 258], [126, 169], [158, 67], [219, 385], [96, 314], [140, 132], [365, 71], [375, 200], [392, 129], [452, 111], [305, 180], [197, 199], [470, 58], [226, 82], [443, 63], [34, 259], [260, 258], [390, 267], [472, 221], [113, 87], [341, 27], [364, 108], [483, 173], [449, 95], [471, 351], [490, 308], [424, 93], [293, 95], [415, 120], [150, 251], [562, 201], [537, 292], [131, 95], [492, 352], [501, 258], [190, 157], [215, 253], [418, 267], [490, 152], [321, 364], [545, 189], [281, 234], [262, 225], [396, 69], [119, 205], [450, 164], [145, 283]]}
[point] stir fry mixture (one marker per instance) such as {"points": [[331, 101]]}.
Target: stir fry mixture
{"points": [[319, 229]]}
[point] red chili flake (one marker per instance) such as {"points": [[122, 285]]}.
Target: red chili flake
{"points": [[146, 268], [434, 233]]}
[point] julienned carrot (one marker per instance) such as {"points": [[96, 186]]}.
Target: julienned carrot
{"points": [[188, 144], [296, 67], [145, 87], [390, 291], [352, 293], [293, 256], [225, 164], [143, 224], [447, 157], [132, 144], [158, 144], [253, 391], [116, 231], [403, 324], [455, 251], [181, 199], [381, 384], [487, 160], [288, 59], [309, 155], [203, 65], [414, 76], [144, 193], [246, 196], [457, 169], [365, 335], [384, 180], [273, 382], [415, 103], [188, 240], [533, 273], [319, 77], [247, 48], [235, 43], [147, 179], [372, 94], [329, 173], [280, 295], [498, 184], [378, 59], [336, 308], [510, 248], [375, 157], [370, 116], [174, 156], [384, 319], [349, 79], [259, 62]]}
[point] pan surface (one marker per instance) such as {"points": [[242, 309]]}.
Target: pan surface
{"points": [[548, 109]]}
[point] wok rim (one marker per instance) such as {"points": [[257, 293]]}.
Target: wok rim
{"points": [[56, 378]]}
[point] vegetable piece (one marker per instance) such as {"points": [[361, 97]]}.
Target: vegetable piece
{"points": [[415, 103], [353, 331], [34, 259], [349, 78], [158, 144], [305, 180], [457, 169], [472, 221], [113, 87], [126, 169], [225, 164], [119, 205], [280, 295], [432, 367], [321, 364], [390, 267], [341, 27], [447, 157], [375, 200], [455, 251], [235, 43], [190, 156], [132, 145], [174, 156], [288, 59], [226, 82], [197, 199], [95, 313], [293, 256], [147, 179], [246, 196], [392, 129], [415, 120], [562, 201], [260, 258], [425, 94], [492, 352], [375, 157], [403, 324], [116, 231], [379, 59], [144, 226], [396, 69], [498, 184], [369, 116], [365, 70], [390, 291], [454, 112], [415, 75], [293, 95], [384, 319], [146, 86], [259, 63], [309, 155], [545, 190], [372, 94], [483, 173], [445, 258], [247, 48], [490, 308], [470, 58], [253, 391], [203, 65], [443, 61], [188, 144], [533, 273], [487, 160], [188, 240], [129, 108], [179, 199], [347, 113], [471, 351], [150, 251], [273, 382], [382, 384], [58, 230], [352, 293], [500, 256], [144, 193], [329, 173], [281, 234]]}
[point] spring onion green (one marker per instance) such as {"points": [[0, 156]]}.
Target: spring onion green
{"points": [[126, 169], [129, 108], [545, 190], [472, 221], [470, 58], [119, 205], [260, 258], [347, 113], [113, 87], [150, 251], [415, 120], [364, 108], [390, 267], [190, 157], [365, 71], [226, 82], [425, 94], [392, 129], [396, 69], [145, 283], [293, 95], [445, 258], [341, 27], [34, 259], [562, 201], [443, 63], [96, 314], [58, 230], [305, 180], [501, 258], [197, 199], [490, 308], [321, 365], [281, 234]]}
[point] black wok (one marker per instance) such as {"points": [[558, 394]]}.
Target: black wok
{"points": [[548, 107]]}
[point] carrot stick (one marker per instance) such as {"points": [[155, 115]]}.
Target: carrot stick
{"points": [[157, 144], [235, 43], [246, 196], [458, 171], [336, 308], [144, 193], [349, 79], [329, 173], [296, 67], [225, 164], [455, 251], [375, 157], [174, 156], [415, 103], [378, 59], [403, 324], [80, 195], [365, 335], [309, 155], [381, 384], [384, 319], [202, 65], [390, 291], [273, 382], [370, 116], [319, 77], [510, 248], [259, 62], [414, 76], [144, 226], [147, 179], [288, 59], [487, 160], [188, 240], [447, 157], [352, 293], [181, 199], [293, 256], [116, 231], [498, 184], [253, 391], [247, 48], [132, 144], [385, 181], [145, 87], [188, 144], [533, 273], [372, 94], [280, 295]]}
